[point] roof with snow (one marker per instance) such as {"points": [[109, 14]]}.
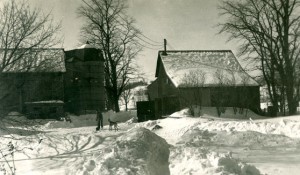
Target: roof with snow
{"points": [[37, 60], [86, 52], [87, 45], [216, 66]]}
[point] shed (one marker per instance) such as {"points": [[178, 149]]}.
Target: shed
{"points": [[202, 77], [45, 109]]}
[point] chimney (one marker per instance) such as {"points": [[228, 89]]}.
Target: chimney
{"points": [[165, 47]]}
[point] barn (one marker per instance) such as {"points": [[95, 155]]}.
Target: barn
{"points": [[50, 81], [36, 78], [212, 78]]}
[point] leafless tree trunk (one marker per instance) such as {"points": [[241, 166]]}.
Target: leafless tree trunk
{"points": [[269, 30], [126, 95], [108, 27], [246, 96], [219, 100], [234, 98]]}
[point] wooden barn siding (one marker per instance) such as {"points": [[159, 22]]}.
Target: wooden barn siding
{"points": [[29, 87], [44, 87], [189, 96], [246, 97], [165, 86], [88, 93], [167, 100], [153, 90]]}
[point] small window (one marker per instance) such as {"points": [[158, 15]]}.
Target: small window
{"points": [[167, 81]]}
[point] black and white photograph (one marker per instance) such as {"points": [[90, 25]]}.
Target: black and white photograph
{"points": [[149, 87]]}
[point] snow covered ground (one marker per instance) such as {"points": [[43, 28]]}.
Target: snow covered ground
{"points": [[180, 144]]}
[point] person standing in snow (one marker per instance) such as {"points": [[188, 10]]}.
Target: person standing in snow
{"points": [[99, 120]]}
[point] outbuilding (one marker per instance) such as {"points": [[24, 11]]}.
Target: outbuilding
{"points": [[212, 78]]}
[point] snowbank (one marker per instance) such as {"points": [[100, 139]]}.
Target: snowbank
{"points": [[121, 116], [139, 151], [58, 124], [182, 113], [15, 119], [90, 120], [194, 155], [211, 112], [200, 145], [196, 160], [285, 127]]}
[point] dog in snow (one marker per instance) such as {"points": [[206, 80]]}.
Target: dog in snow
{"points": [[113, 124]]}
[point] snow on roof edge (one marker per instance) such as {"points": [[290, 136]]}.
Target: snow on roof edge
{"points": [[244, 70], [254, 82], [175, 84]]}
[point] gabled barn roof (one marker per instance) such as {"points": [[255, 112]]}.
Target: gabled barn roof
{"points": [[37, 60], [178, 65]]}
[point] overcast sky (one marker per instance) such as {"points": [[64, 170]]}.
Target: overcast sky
{"points": [[186, 24]]}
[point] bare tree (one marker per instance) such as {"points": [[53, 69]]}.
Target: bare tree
{"points": [[126, 96], [109, 28], [219, 98], [233, 90], [24, 33], [191, 91], [269, 31], [232, 82], [244, 101]]}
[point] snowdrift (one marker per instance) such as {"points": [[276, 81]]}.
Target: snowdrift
{"points": [[139, 151], [211, 112], [284, 127], [197, 160], [179, 144]]}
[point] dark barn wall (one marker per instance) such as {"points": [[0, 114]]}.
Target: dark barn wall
{"points": [[19, 88], [165, 86], [239, 96], [81, 87], [84, 86], [84, 81], [254, 98], [153, 90], [167, 101], [193, 96]]}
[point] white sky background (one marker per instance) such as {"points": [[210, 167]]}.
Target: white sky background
{"points": [[186, 24]]}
